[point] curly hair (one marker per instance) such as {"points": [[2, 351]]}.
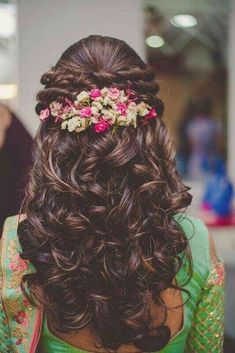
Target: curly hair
{"points": [[100, 228]]}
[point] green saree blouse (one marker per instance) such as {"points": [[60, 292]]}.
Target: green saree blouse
{"points": [[23, 329]]}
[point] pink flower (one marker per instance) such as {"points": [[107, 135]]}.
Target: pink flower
{"points": [[101, 126], [44, 114], [86, 112], [69, 103], [122, 107], [67, 109], [151, 114], [95, 93], [113, 93], [13, 266], [18, 264]]}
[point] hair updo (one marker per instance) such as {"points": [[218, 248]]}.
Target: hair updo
{"points": [[100, 230]]}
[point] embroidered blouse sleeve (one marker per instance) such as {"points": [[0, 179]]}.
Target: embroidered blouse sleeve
{"points": [[5, 336], [207, 332]]}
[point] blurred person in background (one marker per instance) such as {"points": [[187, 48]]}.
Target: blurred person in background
{"points": [[15, 158], [200, 140], [103, 259]]}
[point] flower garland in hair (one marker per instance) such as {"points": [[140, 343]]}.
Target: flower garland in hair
{"points": [[99, 109]]}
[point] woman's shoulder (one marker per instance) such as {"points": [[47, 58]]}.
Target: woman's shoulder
{"points": [[11, 224], [193, 227], [199, 242], [10, 247], [10, 227]]}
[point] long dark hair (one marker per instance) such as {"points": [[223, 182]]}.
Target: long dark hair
{"points": [[100, 229]]}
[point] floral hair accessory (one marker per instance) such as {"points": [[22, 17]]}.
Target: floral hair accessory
{"points": [[100, 109]]}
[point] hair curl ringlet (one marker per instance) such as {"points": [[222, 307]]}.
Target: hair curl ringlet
{"points": [[100, 230]]}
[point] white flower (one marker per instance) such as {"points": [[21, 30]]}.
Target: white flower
{"points": [[133, 107], [97, 105], [107, 100], [131, 118], [82, 96], [70, 113], [104, 91], [75, 111], [122, 120], [112, 119], [64, 125], [76, 123], [142, 108], [64, 116], [71, 125], [113, 105], [144, 112], [104, 111], [94, 110], [54, 112], [94, 119], [110, 114], [55, 105], [55, 108], [122, 98], [82, 126]]}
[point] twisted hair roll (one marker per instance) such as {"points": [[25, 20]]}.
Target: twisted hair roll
{"points": [[100, 230]]}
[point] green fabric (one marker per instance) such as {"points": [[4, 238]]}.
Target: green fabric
{"points": [[50, 343], [207, 332], [197, 234], [5, 335], [19, 321]]}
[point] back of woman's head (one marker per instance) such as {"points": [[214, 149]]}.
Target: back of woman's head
{"points": [[100, 229]]}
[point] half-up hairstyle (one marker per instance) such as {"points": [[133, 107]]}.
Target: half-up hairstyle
{"points": [[100, 228]]}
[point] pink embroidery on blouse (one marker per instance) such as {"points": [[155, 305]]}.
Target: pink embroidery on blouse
{"points": [[21, 318], [19, 341], [18, 264], [218, 274]]}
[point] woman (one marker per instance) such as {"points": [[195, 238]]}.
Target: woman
{"points": [[15, 159], [200, 139], [104, 259]]}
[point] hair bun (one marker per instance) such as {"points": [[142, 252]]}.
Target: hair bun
{"points": [[103, 77], [85, 65]]}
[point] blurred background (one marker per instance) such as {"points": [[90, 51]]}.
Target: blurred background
{"points": [[191, 46]]}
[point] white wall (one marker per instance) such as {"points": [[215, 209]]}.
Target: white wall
{"points": [[48, 27]]}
